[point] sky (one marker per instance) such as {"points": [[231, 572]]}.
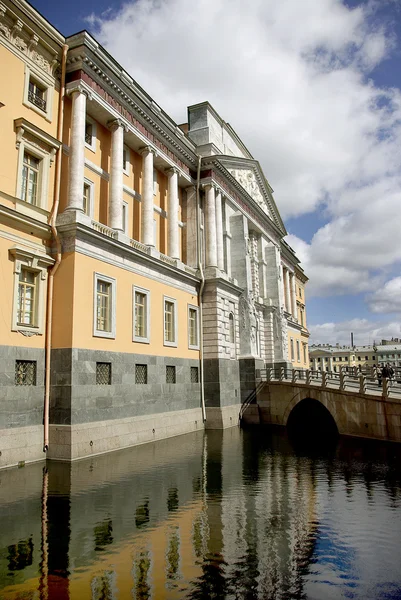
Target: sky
{"points": [[313, 88]]}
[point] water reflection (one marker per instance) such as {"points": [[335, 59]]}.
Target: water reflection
{"points": [[234, 514]]}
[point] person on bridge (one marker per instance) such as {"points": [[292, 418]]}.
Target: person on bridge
{"points": [[387, 372]]}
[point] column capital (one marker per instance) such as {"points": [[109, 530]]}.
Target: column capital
{"points": [[114, 124], [145, 150], [78, 88], [171, 171], [210, 185]]}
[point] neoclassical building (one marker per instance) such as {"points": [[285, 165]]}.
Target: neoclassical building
{"points": [[144, 269]]}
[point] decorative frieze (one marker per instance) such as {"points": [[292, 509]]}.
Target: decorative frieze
{"points": [[21, 39]]}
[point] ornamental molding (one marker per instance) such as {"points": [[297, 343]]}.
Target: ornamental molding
{"points": [[22, 41], [99, 76]]}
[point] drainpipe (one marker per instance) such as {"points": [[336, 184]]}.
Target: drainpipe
{"points": [[50, 283], [202, 285]]}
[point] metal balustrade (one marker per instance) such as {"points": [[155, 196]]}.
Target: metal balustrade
{"points": [[359, 382]]}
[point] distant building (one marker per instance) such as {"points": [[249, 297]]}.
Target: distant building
{"points": [[330, 358]]}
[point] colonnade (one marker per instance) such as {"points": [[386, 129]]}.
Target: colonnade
{"points": [[115, 205], [290, 297]]}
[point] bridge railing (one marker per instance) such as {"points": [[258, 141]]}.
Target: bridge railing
{"points": [[363, 382]]}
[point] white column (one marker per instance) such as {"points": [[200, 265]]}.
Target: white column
{"points": [[173, 247], [210, 226], [293, 296], [116, 175], [287, 289], [314, 362], [76, 163], [331, 364], [147, 196], [219, 232]]}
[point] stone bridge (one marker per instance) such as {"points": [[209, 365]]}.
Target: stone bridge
{"points": [[353, 405]]}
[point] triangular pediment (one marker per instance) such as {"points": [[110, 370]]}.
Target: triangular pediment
{"points": [[249, 175]]}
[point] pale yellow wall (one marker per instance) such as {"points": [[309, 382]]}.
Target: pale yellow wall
{"points": [[8, 337], [297, 364], [78, 275], [11, 95]]}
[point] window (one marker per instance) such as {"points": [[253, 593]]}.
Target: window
{"points": [[359, 358], [26, 303], [90, 134], [103, 373], [36, 151], [30, 179], [38, 92], [300, 292], [305, 350], [104, 306], [292, 349], [366, 357], [334, 359], [340, 359], [170, 374], [141, 317], [125, 217], [30, 274], [88, 198], [170, 322], [193, 327], [25, 372], [141, 374], [154, 182], [318, 360], [298, 352], [126, 160], [194, 375]]}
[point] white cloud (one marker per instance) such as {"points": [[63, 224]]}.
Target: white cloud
{"points": [[365, 332], [387, 299], [292, 78]]}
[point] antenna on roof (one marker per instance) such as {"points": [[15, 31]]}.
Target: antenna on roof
{"points": [[352, 340]]}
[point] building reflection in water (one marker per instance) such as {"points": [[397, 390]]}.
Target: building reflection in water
{"points": [[220, 515]]}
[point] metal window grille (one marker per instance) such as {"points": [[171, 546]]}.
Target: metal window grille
{"points": [[194, 375], [103, 373], [36, 95], [170, 374], [141, 373], [25, 372], [88, 133]]}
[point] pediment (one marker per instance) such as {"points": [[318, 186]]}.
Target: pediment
{"points": [[249, 175], [247, 179]]}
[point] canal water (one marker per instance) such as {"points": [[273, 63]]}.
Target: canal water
{"points": [[234, 514]]}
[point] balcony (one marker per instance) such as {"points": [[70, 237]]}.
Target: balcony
{"points": [[37, 100]]}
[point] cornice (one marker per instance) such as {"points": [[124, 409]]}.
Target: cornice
{"points": [[73, 232], [221, 160], [24, 222]]}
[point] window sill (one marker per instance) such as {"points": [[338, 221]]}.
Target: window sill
{"points": [[39, 111], [105, 334]]}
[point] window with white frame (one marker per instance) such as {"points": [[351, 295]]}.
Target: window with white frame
{"points": [[305, 352], [30, 275], [36, 151], [170, 321], [31, 171], [193, 327], [298, 351], [104, 324], [141, 315], [292, 349], [90, 134], [88, 197], [38, 92]]}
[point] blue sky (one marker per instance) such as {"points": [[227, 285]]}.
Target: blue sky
{"points": [[313, 89]]}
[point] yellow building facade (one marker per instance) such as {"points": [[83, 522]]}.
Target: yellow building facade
{"points": [[145, 273]]}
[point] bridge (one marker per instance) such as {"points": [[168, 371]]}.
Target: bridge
{"points": [[316, 403]]}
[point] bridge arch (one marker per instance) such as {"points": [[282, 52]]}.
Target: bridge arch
{"points": [[310, 419]]}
